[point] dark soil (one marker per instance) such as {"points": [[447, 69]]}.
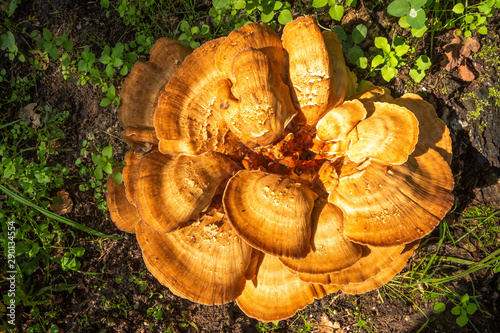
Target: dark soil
{"points": [[101, 303]]}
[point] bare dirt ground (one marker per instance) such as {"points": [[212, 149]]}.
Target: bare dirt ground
{"points": [[101, 303]]}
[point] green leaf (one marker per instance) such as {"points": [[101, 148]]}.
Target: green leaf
{"points": [[355, 53], [107, 152], [458, 8], [485, 8], [336, 12], [465, 299], [389, 73], [98, 173], [403, 23], [105, 102], [393, 61], [319, 3], [52, 51], [124, 71], [417, 4], [267, 17], [105, 59], [219, 4], [462, 320], [482, 30], [117, 177], [423, 62], [351, 3], [239, 4], [339, 31], [110, 70], [47, 35], [417, 75], [362, 62], [439, 307], [108, 168], [285, 17], [381, 43], [471, 308], [456, 310], [469, 19], [117, 62], [377, 61], [359, 33], [416, 18], [78, 251], [7, 41], [105, 3], [401, 50], [418, 32], [68, 45], [398, 8], [118, 49]]}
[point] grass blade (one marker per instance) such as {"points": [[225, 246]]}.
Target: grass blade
{"points": [[55, 216]]}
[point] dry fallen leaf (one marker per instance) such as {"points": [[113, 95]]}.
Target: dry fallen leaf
{"points": [[66, 204], [465, 73], [326, 326], [471, 45], [457, 52], [28, 115]]}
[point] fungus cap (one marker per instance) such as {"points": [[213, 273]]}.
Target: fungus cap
{"points": [[144, 85], [262, 107], [371, 262], [331, 251], [309, 66], [187, 119], [385, 275], [130, 173], [122, 212], [171, 190], [270, 212], [433, 132], [204, 262], [388, 205], [258, 36], [276, 294], [339, 121], [388, 133]]}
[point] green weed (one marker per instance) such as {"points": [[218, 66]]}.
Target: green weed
{"points": [[350, 44], [94, 174], [390, 56]]}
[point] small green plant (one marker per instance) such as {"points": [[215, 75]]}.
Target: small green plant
{"points": [[390, 56], [8, 43], [18, 90], [336, 10], [422, 63], [350, 44], [411, 14], [474, 16], [362, 322], [103, 164], [462, 309], [115, 58], [189, 34], [475, 114], [116, 305], [263, 327]]}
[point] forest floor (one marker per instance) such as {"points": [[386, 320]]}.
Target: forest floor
{"points": [[112, 290]]}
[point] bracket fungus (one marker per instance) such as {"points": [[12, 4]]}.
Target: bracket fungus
{"points": [[261, 173]]}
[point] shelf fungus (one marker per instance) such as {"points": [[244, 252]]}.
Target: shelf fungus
{"points": [[262, 173]]}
